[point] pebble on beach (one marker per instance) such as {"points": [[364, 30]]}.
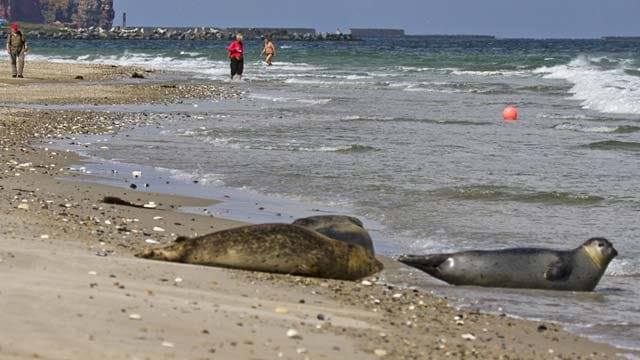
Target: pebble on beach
{"points": [[293, 334]]}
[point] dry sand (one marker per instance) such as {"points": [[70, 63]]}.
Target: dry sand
{"points": [[70, 287]]}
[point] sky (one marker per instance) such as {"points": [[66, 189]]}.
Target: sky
{"points": [[502, 18]]}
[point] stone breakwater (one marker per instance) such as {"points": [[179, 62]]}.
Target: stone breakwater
{"points": [[97, 33]]}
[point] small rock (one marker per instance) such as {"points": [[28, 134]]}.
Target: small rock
{"points": [[152, 242], [135, 317], [136, 174], [168, 344], [23, 206], [178, 280], [380, 352], [366, 283], [158, 229], [44, 236], [150, 205], [137, 75], [293, 334], [281, 310], [468, 337]]}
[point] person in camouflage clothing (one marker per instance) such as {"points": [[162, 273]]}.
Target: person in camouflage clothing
{"points": [[16, 47]]}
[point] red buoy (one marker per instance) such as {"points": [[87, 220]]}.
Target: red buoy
{"points": [[510, 113]]}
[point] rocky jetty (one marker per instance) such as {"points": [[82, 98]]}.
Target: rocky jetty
{"points": [[98, 33]]}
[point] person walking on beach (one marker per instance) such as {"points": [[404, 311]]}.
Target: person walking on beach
{"points": [[236, 55], [16, 47], [268, 49]]}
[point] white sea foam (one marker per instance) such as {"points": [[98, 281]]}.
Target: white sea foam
{"points": [[314, 101], [600, 89], [623, 268], [323, 83], [587, 129], [565, 117], [202, 178], [187, 62], [491, 73]]}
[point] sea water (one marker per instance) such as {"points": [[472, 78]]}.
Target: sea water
{"points": [[408, 135]]}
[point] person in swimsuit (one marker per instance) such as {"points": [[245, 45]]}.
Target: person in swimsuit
{"points": [[268, 49], [236, 55]]}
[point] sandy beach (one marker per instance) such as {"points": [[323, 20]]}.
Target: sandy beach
{"points": [[72, 289]]}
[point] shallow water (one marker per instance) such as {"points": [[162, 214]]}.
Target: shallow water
{"points": [[415, 144]]}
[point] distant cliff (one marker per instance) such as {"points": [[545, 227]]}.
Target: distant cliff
{"points": [[79, 13], [22, 10]]}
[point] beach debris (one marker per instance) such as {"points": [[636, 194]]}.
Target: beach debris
{"points": [[113, 200], [397, 296], [542, 328], [136, 174], [79, 77], [301, 350], [150, 205], [23, 206], [168, 344], [380, 352], [158, 229], [92, 273], [281, 310], [44, 236], [178, 280], [152, 242], [293, 334], [468, 337], [366, 283], [135, 317], [157, 218]]}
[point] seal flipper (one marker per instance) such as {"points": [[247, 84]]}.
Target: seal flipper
{"points": [[426, 263], [558, 271]]}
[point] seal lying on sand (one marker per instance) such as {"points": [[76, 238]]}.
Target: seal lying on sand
{"points": [[575, 270], [339, 227], [275, 248]]}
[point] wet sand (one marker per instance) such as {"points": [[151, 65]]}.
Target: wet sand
{"points": [[71, 288]]}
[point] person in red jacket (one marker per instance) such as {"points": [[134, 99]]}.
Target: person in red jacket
{"points": [[236, 55]]}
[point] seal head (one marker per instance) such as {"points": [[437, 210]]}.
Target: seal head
{"points": [[347, 229]]}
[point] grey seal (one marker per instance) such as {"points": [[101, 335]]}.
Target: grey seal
{"points": [[274, 248], [344, 228], [579, 269]]}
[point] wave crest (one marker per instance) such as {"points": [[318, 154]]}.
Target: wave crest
{"points": [[498, 193]]}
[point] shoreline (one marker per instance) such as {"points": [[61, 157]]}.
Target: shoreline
{"points": [[69, 213]]}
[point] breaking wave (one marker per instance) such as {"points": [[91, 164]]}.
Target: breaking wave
{"points": [[598, 86], [498, 193]]}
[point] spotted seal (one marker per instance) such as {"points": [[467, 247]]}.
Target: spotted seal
{"points": [[275, 248], [339, 227], [579, 269]]}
